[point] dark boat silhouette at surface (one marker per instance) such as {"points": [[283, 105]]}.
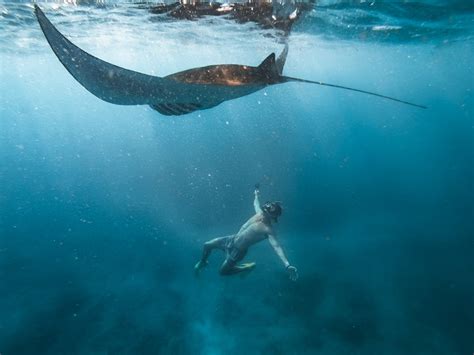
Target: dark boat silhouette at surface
{"points": [[175, 94]]}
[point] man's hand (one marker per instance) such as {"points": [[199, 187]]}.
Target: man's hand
{"points": [[257, 189], [292, 272], [256, 202]]}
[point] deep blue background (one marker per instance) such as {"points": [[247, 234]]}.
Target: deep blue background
{"points": [[103, 208]]}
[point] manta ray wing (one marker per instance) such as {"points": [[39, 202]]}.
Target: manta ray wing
{"points": [[106, 81], [121, 86]]}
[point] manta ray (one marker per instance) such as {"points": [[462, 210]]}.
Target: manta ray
{"points": [[176, 94]]}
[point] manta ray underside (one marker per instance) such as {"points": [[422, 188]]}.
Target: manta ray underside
{"points": [[175, 94]]}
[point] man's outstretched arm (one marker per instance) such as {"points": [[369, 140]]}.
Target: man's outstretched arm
{"points": [[281, 254], [256, 201]]}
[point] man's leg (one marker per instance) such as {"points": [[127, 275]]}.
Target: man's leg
{"points": [[217, 243], [229, 267]]}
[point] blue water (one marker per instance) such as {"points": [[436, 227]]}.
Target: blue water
{"points": [[104, 208]]}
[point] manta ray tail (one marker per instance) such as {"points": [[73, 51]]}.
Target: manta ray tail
{"points": [[287, 78]]}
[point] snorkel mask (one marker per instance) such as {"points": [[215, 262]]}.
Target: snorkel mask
{"points": [[272, 209]]}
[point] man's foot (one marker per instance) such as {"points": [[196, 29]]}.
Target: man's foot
{"points": [[199, 266], [246, 269]]}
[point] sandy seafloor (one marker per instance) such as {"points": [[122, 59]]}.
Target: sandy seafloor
{"points": [[104, 208]]}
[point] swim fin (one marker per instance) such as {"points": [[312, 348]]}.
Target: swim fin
{"points": [[246, 268]]}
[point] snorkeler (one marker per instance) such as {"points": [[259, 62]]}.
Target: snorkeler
{"points": [[256, 229]]}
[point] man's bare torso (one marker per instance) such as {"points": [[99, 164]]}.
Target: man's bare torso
{"points": [[256, 229]]}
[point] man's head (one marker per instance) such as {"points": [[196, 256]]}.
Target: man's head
{"points": [[272, 210]]}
